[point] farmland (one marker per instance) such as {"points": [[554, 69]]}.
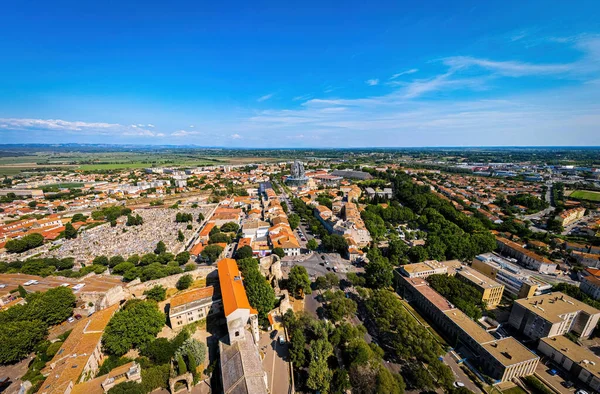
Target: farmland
{"points": [[586, 195]]}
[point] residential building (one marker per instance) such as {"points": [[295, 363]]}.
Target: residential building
{"points": [[590, 283], [569, 216], [192, 305], [526, 257], [553, 314], [578, 360], [254, 229], [80, 356]]}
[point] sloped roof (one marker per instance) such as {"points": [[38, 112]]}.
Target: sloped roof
{"points": [[232, 288]]}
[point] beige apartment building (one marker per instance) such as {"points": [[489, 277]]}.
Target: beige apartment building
{"points": [[553, 314], [490, 290], [191, 306]]}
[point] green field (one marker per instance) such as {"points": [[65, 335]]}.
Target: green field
{"points": [[586, 195]]}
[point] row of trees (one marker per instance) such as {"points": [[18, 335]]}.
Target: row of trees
{"points": [[40, 266], [464, 295], [27, 242], [260, 293]]}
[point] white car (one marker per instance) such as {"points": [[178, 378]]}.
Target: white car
{"points": [[71, 319], [281, 340], [459, 384]]}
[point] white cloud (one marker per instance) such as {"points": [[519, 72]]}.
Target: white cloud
{"points": [[192, 126], [372, 82], [184, 133], [302, 98], [407, 72], [265, 97], [75, 127], [236, 136], [150, 125], [508, 68]]}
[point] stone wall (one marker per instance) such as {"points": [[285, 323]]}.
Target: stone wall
{"points": [[137, 288]]}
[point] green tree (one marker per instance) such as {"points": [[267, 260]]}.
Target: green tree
{"points": [[219, 238], [115, 260], [294, 221], [180, 236], [230, 227], [100, 260], [22, 291], [70, 232], [200, 218], [335, 243], [243, 253], [298, 281], [19, 338], [182, 257], [312, 244], [212, 252], [160, 248], [120, 269], [298, 348], [379, 273], [260, 293], [157, 293], [184, 282], [279, 252], [127, 388], [132, 327]]}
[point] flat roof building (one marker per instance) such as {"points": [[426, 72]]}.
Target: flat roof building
{"points": [[510, 275], [553, 314], [502, 359], [578, 360], [490, 290]]}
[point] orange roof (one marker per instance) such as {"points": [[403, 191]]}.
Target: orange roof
{"points": [[197, 249], [192, 295], [206, 230], [232, 288]]}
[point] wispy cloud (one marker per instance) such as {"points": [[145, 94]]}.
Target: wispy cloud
{"points": [[372, 82], [236, 136], [302, 98], [265, 97], [508, 68], [407, 72], [75, 127], [184, 133]]}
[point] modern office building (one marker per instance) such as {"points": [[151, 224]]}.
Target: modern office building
{"points": [[490, 290], [505, 272], [553, 314]]}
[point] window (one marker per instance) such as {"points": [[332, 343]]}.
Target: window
{"points": [[237, 333]]}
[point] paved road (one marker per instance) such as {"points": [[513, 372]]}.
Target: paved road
{"points": [[459, 373], [275, 363]]}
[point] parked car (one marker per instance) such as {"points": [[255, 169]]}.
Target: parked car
{"points": [[281, 340], [71, 319], [567, 384], [581, 392], [274, 334], [552, 372], [459, 384]]}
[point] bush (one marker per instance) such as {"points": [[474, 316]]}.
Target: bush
{"points": [[184, 282], [19, 338], [157, 293], [127, 388]]}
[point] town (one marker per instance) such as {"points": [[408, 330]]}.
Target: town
{"points": [[365, 272]]}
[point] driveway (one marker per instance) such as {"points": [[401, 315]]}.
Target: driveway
{"points": [[459, 374]]}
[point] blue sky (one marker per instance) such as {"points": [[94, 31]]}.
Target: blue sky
{"points": [[314, 74]]}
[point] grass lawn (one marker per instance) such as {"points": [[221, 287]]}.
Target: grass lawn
{"points": [[586, 195]]}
